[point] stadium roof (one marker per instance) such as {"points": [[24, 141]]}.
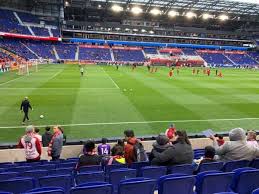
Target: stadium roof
{"points": [[239, 7]]}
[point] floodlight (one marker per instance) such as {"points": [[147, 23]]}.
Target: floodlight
{"points": [[66, 3], [143, 30], [117, 8], [151, 32], [155, 11], [136, 10], [190, 15], [206, 16], [223, 17], [135, 30], [173, 13], [117, 29], [99, 6]]}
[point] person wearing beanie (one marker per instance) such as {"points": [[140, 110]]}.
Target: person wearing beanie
{"points": [[179, 153], [237, 148], [31, 145]]}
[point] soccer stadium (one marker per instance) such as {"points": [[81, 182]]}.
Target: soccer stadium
{"points": [[129, 97]]}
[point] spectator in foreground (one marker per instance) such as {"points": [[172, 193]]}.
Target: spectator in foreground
{"points": [[251, 139], [129, 147], [180, 153], [36, 133], [46, 137], [117, 156], [104, 148], [56, 143], [89, 157], [209, 156], [237, 148], [120, 143], [31, 145], [220, 139], [161, 144]]}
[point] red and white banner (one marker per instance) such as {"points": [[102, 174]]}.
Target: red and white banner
{"points": [[24, 36]]}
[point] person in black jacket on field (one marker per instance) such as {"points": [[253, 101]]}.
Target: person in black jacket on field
{"points": [[46, 137], [25, 106]]}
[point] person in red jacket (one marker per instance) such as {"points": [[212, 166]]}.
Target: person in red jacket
{"points": [[31, 145], [129, 152]]}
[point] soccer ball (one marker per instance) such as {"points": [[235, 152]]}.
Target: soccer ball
{"points": [[41, 116]]}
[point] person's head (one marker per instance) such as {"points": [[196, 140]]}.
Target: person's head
{"points": [[120, 142], [29, 129], [172, 125], [117, 151], [181, 137], [89, 146], [251, 135], [162, 139], [47, 128], [104, 140], [237, 134], [128, 134], [36, 130], [56, 128], [26, 98], [209, 152]]}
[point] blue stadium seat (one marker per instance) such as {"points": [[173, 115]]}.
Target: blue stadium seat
{"points": [[109, 168], [2, 170], [45, 167], [90, 168], [226, 193], [8, 175], [173, 183], [34, 173], [46, 190], [18, 185], [210, 182], [61, 171], [210, 166], [256, 191], [7, 165], [232, 165], [237, 173], [64, 181], [5, 192], [118, 175], [67, 165], [185, 169], [89, 177], [19, 169], [255, 163], [246, 181], [153, 172], [138, 166], [133, 186], [93, 189]]}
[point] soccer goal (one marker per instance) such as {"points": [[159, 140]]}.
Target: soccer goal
{"points": [[27, 67]]}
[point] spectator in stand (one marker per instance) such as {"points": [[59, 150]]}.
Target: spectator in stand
{"points": [[180, 153], [117, 156], [170, 132], [36, 133], [220, 139], [162, 143], [129, 147], [120, 143], [31, 145], [209, 156], [56, 143], [251, 139], [237, 148], [46, 137], [104, 148], [89, 157]]}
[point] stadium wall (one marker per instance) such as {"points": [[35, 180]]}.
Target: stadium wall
{"points": [[15, 155]]}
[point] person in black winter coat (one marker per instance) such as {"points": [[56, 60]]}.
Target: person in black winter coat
{"points": [[46, 137], [180, 153], [25, 106]]}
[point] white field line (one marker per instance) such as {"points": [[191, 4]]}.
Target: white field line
{"points": [[59, 88], [55, 74], [116, 85], [134, 122], [11, 80]]}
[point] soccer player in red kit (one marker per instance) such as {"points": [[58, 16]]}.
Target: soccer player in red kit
{"points": [[171, 73], [208, 72], [193, 71]]}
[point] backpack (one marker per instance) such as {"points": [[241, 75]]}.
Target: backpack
{"points": [[140, 153]]}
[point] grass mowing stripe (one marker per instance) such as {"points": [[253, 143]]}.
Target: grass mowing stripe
{"points": [[111, 79], [136, 122]]}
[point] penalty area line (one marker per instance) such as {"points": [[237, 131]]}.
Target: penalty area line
{"points": [[133, 122]]}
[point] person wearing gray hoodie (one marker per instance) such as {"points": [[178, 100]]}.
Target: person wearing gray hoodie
{"points": [[237, 148]]}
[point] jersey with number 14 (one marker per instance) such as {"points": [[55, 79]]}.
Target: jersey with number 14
{"points": [[104, 149]]}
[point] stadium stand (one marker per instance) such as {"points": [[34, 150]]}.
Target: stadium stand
{"points": [[94, 54], [241, 59], [66, 51], [128, 55], [40, 31]]}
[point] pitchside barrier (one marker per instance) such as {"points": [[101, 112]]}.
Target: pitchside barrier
{"points": [[69, 151]]}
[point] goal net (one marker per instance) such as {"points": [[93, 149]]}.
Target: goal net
{"points": [[27, 67]]}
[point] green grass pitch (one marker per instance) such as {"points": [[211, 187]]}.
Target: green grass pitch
{"points": [[105, 101]]}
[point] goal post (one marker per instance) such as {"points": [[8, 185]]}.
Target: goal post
{"points": [[27, 67]]}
